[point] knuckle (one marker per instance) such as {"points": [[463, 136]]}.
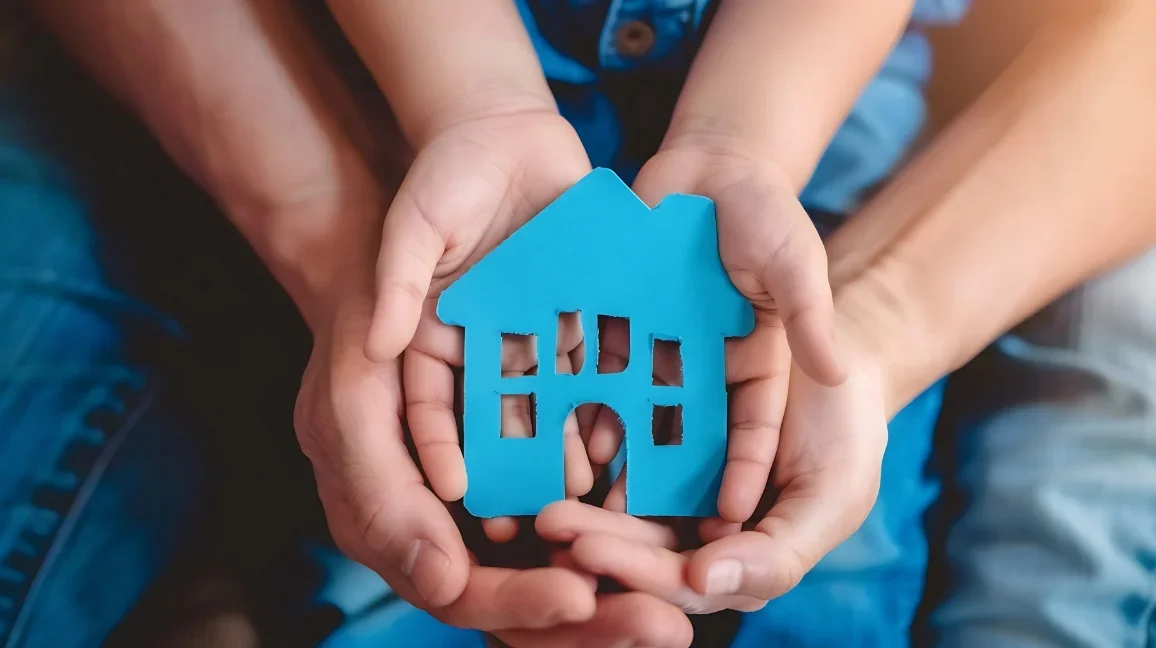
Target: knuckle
{"points": [[310, 426]]}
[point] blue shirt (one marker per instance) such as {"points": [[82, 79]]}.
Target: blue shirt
{"points": [[581, 51]]}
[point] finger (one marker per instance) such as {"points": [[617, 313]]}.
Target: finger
{"points": [[564, 522], [437, 339], [410, 251], [827, 490], [613, 356], [500, 529], [586, 413], [497, 598], [579, 476], [606, 436], [378, 508], [517, 418], [756, 412], [656, 571], [616, 498], [569, 338], [667, 363], [763, 353], [561, 558], [429, 404], [630, 619], [712, 529], [402, 532], [519, 353], [766, 234]]}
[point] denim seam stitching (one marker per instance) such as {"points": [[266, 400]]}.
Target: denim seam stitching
{"points": [[71, 518]]}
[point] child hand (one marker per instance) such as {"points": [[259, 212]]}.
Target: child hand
{"points": [[467, 190], [775, 258]]}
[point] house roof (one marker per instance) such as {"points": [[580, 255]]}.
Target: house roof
{"points": [[599, 247]]}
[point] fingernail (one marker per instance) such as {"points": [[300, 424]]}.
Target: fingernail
{"points": [[724, 577], [425, 566]]}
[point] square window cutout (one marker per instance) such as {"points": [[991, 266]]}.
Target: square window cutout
{"points": [[519, 354], [613, 344], [666, 357], [519, 416]]}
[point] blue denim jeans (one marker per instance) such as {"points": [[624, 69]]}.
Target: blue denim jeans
{"points": [[129, 312], [97, 481]]}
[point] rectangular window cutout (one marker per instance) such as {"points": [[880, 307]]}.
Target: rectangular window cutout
{"points": [[519, 416], [667, 359], [569, 356], [613, 344], [666, 425], [519, 354]]}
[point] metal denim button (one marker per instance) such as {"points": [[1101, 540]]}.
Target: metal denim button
{"points": [[634, 39]]}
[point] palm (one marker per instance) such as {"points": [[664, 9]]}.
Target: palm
{"points": [[475, 184]]}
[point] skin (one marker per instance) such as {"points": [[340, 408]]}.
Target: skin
{"points": [[945, 259]]}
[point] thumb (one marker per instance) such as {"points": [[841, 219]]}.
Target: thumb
{"points": [[820, 505], [766, 234], [410, 251], [408, 537]]}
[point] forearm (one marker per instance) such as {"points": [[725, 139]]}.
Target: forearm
{"points": [[234, 92], [441, 62], [777, 77], [1044, 182]]}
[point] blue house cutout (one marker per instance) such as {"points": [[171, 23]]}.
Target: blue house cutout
{"points": [[598, 250]]}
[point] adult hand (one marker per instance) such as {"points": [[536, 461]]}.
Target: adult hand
{"points": [[776, 259], [380, 513], [220, 89], [825, 481]]}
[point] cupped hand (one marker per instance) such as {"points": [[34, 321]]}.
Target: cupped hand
{"points": [[468, 189], [774, 256], [348, 420], [381, 514], [824, 484]]}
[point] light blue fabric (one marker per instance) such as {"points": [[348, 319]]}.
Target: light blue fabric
{"points": [[1053, 488]]}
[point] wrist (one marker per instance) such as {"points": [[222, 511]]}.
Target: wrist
{"points": [[720, 138], [879, 325], [321, 250], [491, 99]]}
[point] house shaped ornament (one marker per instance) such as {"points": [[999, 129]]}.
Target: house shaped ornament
{"points": [[599, 251]]}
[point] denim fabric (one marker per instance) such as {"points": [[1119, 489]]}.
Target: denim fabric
{"points": [[614, 99], [1053, 487], [96, 486]]}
